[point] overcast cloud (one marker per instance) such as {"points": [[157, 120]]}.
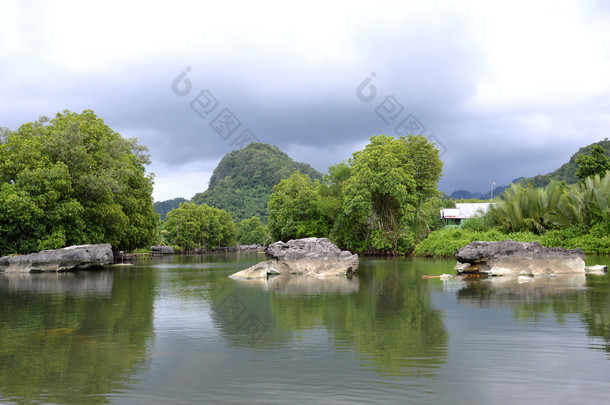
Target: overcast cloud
{"points": [[507, 90]]}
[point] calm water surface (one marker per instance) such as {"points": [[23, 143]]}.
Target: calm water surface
{"points": [[178, 330]]}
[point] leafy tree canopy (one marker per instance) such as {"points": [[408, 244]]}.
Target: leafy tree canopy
{"points": [[199, 226], [597, 163], [389, 181], [252, 232], [73, 180], [294, 209]]}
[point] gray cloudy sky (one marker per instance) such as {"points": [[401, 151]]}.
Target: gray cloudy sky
{"points": [[507, 89]]}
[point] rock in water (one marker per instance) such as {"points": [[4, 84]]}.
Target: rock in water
{"points": [[518, 258], [309, 257], [69, 258]]}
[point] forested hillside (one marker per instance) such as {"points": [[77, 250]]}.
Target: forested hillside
{"points": [[243, 180], [163, 207]]}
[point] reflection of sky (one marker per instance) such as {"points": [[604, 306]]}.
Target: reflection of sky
{"points": [[503, 360]]}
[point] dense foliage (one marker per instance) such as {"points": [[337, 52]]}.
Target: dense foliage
{"points": [[244, 179], [383, 199], [73, 180], [199, 226], [595, 163], [163, 207], [294, 209], [564, 215], [252, 232]]}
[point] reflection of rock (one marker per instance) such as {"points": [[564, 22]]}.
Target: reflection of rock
{"points": [[72, 284], [597, 269], [518, 258], [498, 292], [308, 285], [309, 257], [69, 258]]}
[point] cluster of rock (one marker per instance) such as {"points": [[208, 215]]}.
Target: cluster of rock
{"points": [[78, 257], [518, 258], [316, 257]]}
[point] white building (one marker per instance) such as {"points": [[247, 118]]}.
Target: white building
{"points": [[464, 211]]}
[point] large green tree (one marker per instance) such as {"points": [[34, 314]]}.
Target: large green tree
{"points": [[199, 226], [294, 209], [73, 180], [252, 232], [389, 182]]}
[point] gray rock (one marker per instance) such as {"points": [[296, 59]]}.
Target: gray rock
{"points": [[309, 257], [69, 258], [162, 250], [519, 258]]}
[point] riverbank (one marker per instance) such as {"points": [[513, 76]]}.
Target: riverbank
{"points": [[444, 243]]}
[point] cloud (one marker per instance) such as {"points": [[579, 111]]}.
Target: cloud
{"points": [[514, 89]]}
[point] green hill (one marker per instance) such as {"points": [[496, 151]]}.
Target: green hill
{"points": [[567, 172], [243, 180], [163, 207]]}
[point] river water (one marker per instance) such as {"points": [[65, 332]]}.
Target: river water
{"points": [[178, 330]]}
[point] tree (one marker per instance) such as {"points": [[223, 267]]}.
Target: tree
{"points": [[388, 181], [595, 163], [294, 209], [252, 232], [199, 226], [73, 180]]}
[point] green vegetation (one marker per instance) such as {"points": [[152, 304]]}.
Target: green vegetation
{"points": [[163, 207], [79, 342], [199, 226], [73, 180], [244, 179], [570, 216], [383, 199], [294, 209], [597, 163], [252, 232]]}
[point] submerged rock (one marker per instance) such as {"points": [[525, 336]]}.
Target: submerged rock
{"points": [[518, 258], [78, 257], [309, 257]]}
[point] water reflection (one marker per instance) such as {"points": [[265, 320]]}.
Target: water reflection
{"points": [[286, 284], [61, 344], [580, 295], [93, 283], [502, 292], [385, 313]]}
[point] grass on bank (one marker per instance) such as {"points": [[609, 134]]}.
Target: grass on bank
{"points": [[444, 243]]}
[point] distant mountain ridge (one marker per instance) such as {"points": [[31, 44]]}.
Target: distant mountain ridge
{"points": [[244, 179], [567, 173]]}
